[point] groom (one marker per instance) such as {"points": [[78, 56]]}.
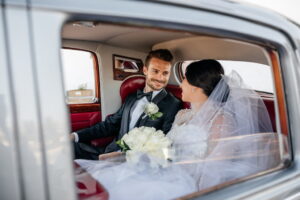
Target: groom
{"points": [[157, 70]]}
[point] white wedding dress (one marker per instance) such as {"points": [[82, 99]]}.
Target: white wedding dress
{"points": [[210, 145], [124, 180]]}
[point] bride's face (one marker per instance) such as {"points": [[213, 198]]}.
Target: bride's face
{"points": [[192, 94]]}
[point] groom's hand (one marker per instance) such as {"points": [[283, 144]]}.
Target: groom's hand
{"points": [[109, 155], [72, 137]]}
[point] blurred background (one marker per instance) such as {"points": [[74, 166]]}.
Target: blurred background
{"points": [[288, 8]]}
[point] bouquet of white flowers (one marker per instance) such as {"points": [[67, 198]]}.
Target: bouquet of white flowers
{"points": [[146, 141]]}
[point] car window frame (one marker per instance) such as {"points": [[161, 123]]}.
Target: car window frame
{"points": [[85, 10], [88, 107]]}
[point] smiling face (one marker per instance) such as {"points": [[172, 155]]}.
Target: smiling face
{"points": [[157, 74]]}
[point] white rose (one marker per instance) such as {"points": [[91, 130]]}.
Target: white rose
{"points": [[151, 108], [147, 130], [146, 140], [160, 133], [130, 141], [132, 138]]}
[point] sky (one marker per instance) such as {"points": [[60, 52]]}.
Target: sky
{"points": [[78, 69], [288, 8]]}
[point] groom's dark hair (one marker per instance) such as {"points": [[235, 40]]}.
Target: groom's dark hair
{"points": [[204, 74], [162, 54]]}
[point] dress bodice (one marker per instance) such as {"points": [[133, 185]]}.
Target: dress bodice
{"points": [[189, 141]]}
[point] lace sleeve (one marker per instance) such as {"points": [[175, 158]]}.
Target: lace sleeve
{"points": [[222, 126]]}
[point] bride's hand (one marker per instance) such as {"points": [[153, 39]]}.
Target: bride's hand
{"points": [[109, 155]]}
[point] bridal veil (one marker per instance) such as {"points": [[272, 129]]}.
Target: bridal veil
{"points": [[233, 128]]}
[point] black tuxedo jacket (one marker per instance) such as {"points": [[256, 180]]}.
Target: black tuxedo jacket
{"points": [[118, 123]]}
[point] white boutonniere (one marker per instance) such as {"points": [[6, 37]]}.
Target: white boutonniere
{"points": [[151, 110]]}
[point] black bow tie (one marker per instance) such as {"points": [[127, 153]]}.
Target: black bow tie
{"points": [[141, 94]]}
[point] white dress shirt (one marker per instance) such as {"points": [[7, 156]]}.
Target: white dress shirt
{"points": [[135, 113], [138, 109]]}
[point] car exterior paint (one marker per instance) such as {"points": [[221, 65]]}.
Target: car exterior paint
{"points": [[35, 152]]}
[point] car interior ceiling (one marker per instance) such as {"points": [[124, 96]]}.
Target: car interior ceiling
{"points": [[184, 45]]}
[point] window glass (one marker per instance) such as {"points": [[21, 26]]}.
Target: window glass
{"points": [[79, 76], [256, 76], [231, 140]]}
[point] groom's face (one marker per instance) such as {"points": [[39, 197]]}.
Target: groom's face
{"points": [[157, 74]]}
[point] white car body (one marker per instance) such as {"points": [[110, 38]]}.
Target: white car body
{"points": [[35, 151]]}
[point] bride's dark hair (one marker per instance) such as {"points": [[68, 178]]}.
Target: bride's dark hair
{"points": [[204, 74]]}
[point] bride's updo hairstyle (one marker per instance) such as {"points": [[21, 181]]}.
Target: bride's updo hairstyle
{"points": [[204, 74]]}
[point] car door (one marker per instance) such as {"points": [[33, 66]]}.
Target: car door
{"points": [[210, 18], [23, 144], [9, 173], [51, 156]]}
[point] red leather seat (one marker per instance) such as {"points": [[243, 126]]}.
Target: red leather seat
{"points": [[84, 120], [177, 92], [130, 85], [271, 110]]}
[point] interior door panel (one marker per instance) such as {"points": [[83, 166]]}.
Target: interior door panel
{"points": [[84, 120]]}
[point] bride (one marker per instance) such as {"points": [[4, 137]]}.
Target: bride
{"points": [[211, 142]]}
